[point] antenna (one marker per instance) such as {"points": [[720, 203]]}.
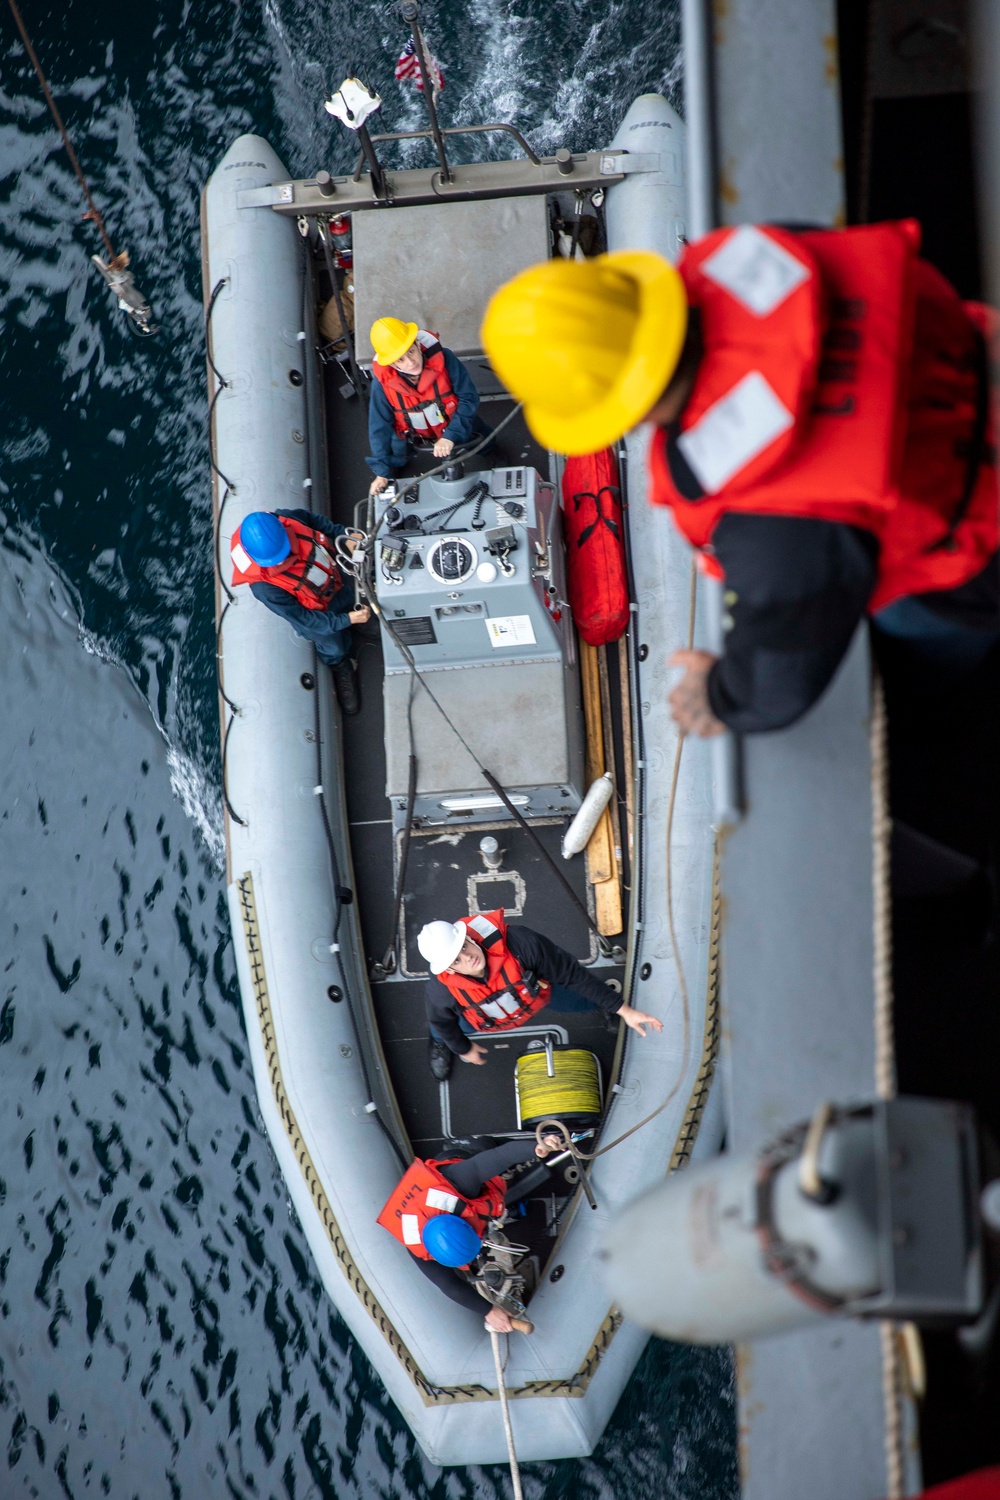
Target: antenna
{"points": [[410, 11]]}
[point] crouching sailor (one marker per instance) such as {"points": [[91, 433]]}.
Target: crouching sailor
{"points": [[492, 977], [421, 394], [442, 1210], [286, 558]]}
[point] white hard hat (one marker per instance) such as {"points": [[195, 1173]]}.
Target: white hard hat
{"points": [[440, 943]]}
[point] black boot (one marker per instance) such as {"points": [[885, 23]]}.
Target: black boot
{"points": [[345, 681], [440, 1059]]}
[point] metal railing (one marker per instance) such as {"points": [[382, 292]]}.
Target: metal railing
{"points": [[413, 135]]}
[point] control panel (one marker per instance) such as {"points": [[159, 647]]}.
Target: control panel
{"points": [[470, 570]]}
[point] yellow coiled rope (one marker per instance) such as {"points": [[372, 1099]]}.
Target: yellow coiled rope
{"points": [[574, 1091]]}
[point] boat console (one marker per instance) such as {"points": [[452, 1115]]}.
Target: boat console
{"points": [[469, 576]]}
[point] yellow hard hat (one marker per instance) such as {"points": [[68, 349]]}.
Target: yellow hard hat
{"points": [[391, 338], [588, 346]]}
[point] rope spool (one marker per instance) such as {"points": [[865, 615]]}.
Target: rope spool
{"points": [[573, 1095]]}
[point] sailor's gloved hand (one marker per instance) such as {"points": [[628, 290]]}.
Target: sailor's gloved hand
{"points": [[377, 484], [443, 447], [689, 699], [360, 616], [638, 1020], [475, 1054], [499, 1321]]}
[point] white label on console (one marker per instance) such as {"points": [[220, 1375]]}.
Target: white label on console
{"points": [[511, 630]]}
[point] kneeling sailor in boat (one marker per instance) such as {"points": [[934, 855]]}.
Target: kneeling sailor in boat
{"points": [[441, 1211], [490, 976], [421, 394], [285, 557], [822, 435]]}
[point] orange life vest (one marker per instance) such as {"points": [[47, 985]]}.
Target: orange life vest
{"points": [[310, 571], [423, 408], [425, 1192], [503, 999], [842, 379]]}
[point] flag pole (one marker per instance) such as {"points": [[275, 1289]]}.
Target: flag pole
{"points": [[410, 11]]}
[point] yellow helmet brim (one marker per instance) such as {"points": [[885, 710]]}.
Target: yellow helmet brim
{"points": [[652, 359], [396, 351]]}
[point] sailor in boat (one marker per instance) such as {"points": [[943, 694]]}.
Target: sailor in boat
{"points": [[822, 435], [421, 394], [442, 1210], [287, 559], [490, 976]]}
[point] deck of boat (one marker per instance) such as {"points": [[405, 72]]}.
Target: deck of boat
{"points": [[445, 872]]}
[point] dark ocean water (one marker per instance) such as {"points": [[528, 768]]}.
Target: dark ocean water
{"points": [[162, 1330]]}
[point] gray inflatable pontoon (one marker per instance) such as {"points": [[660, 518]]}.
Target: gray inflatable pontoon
{"points": [[338, 1046]]}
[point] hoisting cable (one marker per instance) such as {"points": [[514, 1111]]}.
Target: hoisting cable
{"points": [[114, 271], [515, 1472], [556, 1127]]}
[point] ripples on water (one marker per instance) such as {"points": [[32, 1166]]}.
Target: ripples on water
{"points": [[162, 1330]]}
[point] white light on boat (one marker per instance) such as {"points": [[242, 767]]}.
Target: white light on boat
{"points": [[352, 103], [473, 804]]}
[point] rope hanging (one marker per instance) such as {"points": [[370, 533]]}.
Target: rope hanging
{"points": [[114, 271], [515, 1472]]}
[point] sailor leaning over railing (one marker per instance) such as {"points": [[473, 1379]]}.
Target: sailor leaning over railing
{"points": [[822, 434]]}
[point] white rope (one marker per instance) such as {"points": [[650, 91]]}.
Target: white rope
{"points": [[515, 1472]]}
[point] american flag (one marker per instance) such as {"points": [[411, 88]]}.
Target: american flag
{"points": [[407, 67]]}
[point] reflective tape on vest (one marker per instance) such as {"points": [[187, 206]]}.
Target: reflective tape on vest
{"points": [[498, 1006], [446, 1202], [481, 926], [241, 558], [733, 431], [410, 1225], [428, 415], [319, 571], [755, 270]]}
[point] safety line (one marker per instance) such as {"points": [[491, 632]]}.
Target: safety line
{"points": [[94, 212], [515, 1472]]}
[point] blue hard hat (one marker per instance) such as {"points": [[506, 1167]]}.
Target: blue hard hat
{"points": [[450, 1241], [265, 539]]}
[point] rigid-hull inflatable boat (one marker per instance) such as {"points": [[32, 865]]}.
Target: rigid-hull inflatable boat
{"points": [[475, 664]]}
